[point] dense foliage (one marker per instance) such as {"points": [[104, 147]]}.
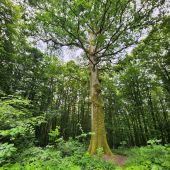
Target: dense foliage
{"points": [[153, 156], [45, 105]]}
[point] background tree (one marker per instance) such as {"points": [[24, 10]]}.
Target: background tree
{"points": [[140, 89]]}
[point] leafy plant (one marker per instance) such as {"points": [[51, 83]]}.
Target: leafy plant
{"points": [[149, 157], [6, 151], [153, 142], [54, 134], [95, 163], [16, 121], [71, 147]]}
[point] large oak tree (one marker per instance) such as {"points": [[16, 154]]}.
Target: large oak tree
{"points": [[103, 29]]}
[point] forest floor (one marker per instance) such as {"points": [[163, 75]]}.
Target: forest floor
{"points": [[119, 160]]}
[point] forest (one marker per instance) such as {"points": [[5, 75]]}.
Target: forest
{"points": [[84, 85]]}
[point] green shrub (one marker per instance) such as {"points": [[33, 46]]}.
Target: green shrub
{"points": [[54, 135], [16, 121], [67, 148], [71, 147], [51, 158], [6, 152], [94, 163], [37, 158], [150, 157]]}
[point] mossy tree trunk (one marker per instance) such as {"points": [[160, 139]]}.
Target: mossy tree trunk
{"points": [[98, 138]]}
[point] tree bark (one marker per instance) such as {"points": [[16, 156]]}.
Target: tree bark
{"points": [[98, 138]]}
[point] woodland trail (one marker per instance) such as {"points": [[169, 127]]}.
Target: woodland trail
{"points": [[119, 160]]}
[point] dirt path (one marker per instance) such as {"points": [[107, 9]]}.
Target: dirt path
{"points": [[119, 160]]}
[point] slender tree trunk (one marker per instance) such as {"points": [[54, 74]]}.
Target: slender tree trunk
{"points": [[98, 138]]}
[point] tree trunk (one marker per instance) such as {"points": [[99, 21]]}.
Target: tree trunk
{"points": [[98, 138]]}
